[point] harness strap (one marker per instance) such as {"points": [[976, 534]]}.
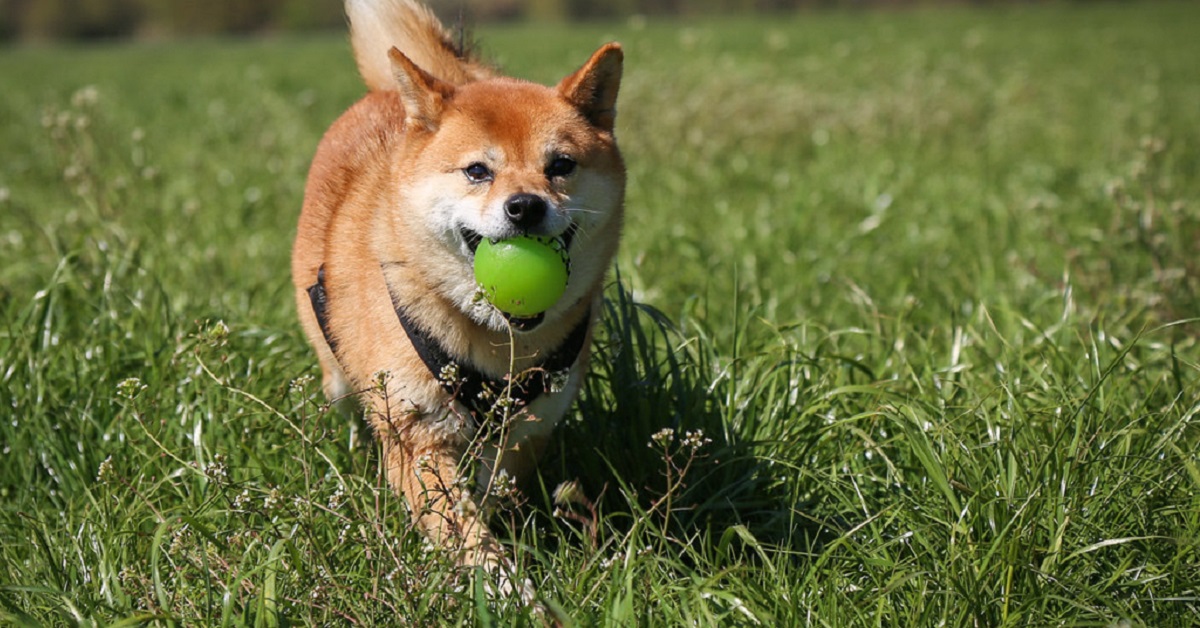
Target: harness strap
{"points": [[320, 306], [481, 394]]}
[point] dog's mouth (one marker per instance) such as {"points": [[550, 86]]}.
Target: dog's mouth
{"points": [[527, 323], [519, 323], [473, 238]]}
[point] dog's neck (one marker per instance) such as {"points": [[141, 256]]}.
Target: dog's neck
{"points": [[480, 393], [484, 395]]}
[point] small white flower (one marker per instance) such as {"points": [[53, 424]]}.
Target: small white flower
{"points": [[695, 439], [85, 96], [105, 473], [612, 560], [300, 383], [337, 498], [273, 499], [130, 387], [504, 486], [448, 374], [217, 471], [662, 438]]}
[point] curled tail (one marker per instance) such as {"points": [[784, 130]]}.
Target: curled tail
{"points": [[378, 25]]}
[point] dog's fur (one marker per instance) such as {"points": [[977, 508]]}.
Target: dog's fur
{"points": [[390, 218]]}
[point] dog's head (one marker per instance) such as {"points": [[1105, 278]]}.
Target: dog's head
{"points": [[501, 158]]}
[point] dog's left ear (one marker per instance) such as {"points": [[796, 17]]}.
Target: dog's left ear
{"points": [[593, 88]]}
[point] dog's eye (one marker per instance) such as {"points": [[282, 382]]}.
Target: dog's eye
{"points": [[478, 173], [560, 167]]}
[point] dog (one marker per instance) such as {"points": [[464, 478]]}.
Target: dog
{"points": [[441, 153]]}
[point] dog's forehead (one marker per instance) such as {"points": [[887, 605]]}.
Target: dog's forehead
{"points": [[511, 113]]}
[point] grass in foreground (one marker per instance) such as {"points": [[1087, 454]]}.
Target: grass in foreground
{"points": [[924, 349]]}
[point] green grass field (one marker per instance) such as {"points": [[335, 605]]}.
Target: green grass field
{"points": [[915, 295]]}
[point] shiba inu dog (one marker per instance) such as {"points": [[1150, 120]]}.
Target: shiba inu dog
{"points": [[442, 153]]}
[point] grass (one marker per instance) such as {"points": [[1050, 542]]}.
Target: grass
{"points": [[913, 295]]}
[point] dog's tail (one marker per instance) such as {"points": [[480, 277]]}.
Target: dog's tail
{"points": [[378, 25]]}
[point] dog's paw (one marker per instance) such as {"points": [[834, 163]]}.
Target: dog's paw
{"points": [[505, 584]]}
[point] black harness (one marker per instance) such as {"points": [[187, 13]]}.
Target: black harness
{"points": [[480, 393]]}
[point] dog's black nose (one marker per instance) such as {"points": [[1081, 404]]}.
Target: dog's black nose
{"points": [[525, 210]]}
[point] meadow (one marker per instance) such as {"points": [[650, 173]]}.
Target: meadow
{"points": [[903, 332]]}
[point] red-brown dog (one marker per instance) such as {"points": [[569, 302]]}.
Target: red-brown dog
{"points": [[440, 154]]}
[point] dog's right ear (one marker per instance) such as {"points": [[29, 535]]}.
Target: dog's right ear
{"points": [[423, 94]]}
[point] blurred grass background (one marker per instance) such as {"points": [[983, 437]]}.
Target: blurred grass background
{"points": [[927, 280], [156, 19]]}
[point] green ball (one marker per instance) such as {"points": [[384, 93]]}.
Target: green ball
{"points": [[522, 276]]}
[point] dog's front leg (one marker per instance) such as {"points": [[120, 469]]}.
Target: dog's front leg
{"points": [[432, 481]]}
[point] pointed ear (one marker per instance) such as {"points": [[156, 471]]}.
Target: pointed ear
{"points": [[423, 94], [593, 88]]}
